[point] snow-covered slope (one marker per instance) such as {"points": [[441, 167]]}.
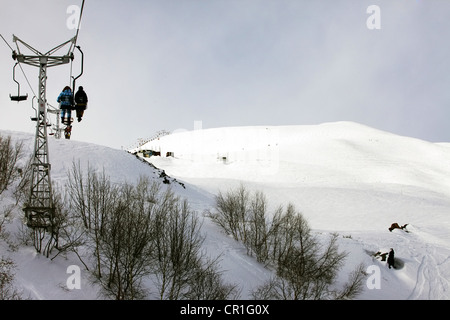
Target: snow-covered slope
{"points": [[344, 177], [41, 278]]}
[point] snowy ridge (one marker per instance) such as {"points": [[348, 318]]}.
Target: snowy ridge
{"points": [[344, 177]]}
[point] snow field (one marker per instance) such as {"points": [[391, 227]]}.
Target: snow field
{"points": [[343, 177]]}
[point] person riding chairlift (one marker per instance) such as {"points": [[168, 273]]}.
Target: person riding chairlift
{"points": [[81, 101], [65, 100]]}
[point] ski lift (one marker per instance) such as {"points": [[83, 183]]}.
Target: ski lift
{"points": [[82, 69], [17, 98]]}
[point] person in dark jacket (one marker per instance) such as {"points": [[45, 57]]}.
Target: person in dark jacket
{"points": [[65, 100], [81, 101], [390, 259]]}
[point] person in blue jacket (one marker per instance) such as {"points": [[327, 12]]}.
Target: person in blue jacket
{"points": [[65, 100]]}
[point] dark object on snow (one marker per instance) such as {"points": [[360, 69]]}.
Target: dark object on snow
{"points": [[391, 260], [396, 226], [382, 255]]}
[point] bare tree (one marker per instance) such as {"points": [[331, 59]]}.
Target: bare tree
{"points": [[354, 285], [305, 268], [206, 283], [125, 245], [124, 253], [177, 246], [138, 231], [243, 216], [7, 289], [231, 212], [71, 236], [92, 195], [22, 189], [92, 198], [258, 227], [9, 157]]}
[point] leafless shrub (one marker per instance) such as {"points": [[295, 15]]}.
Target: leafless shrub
{"points": [[125, 249], [305, 268], [10, 154], [92, 199], [7, 289], [138, 231], [206, 283]]}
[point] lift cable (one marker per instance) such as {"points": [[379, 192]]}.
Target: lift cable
{"points": [[75, 41], [26, 78], [7, 43], [79, 23]]}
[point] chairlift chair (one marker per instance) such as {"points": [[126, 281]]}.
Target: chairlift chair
{"points": [[17, 98]]}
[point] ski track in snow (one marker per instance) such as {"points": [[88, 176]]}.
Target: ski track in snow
{"points": [[432, 273]]}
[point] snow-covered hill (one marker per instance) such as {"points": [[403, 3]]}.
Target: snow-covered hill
{"points": [[344, 177], [41, 278]]}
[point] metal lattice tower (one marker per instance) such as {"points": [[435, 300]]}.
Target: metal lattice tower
{"points": [[39, 211]]}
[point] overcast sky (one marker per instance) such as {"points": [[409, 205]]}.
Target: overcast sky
{"points": [[155, 65]]}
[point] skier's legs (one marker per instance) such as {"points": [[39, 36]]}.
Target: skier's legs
{"points": [[63, 114], [80, 113], [66, 115]]}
